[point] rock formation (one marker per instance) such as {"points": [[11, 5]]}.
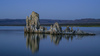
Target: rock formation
{"points": [[67, 29], [32, 23], [33, 26], [71, 29], [80, 32], [55, 29]]}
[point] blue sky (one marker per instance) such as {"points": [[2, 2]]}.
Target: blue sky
{"points": [[50, 9]]}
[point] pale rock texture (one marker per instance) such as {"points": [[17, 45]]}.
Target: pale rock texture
{"points": [[35, 19], [32, 22], [71, 29], [79, 32], [33, 26], [55, 28], [67, 29]]}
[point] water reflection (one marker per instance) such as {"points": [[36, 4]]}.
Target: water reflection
{"points": [[68, 37], [33, 40], [55, 38]]}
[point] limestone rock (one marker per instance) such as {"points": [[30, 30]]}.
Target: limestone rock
{"points": [[55, 28], [35, 19], [79, 32], [27, 21], [51, 28], [32, 22], [33, 26], [71, 29], [41, 28], [67, 29]]}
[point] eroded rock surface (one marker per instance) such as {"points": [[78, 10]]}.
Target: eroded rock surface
{"points": [[33, 23], [33, 26], [55, 28]]}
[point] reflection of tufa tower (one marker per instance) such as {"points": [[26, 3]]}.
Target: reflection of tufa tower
{"points": [[33, 40], [32, 22]]}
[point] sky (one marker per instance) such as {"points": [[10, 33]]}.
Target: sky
{"points": [[50, 9]]}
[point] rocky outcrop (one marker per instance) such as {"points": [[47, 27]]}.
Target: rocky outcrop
{"points": [[68, 29], [80, 32], [33, 26], [55, 29], [35, 20], [71, 29], [33, 23]]}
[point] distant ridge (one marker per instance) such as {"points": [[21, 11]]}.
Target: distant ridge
{"points": [[22, 22]]}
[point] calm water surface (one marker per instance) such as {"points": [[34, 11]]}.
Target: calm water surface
{"points": [[13, 42]]}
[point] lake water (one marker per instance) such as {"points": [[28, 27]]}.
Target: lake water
{"points": [[13, 42]]}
